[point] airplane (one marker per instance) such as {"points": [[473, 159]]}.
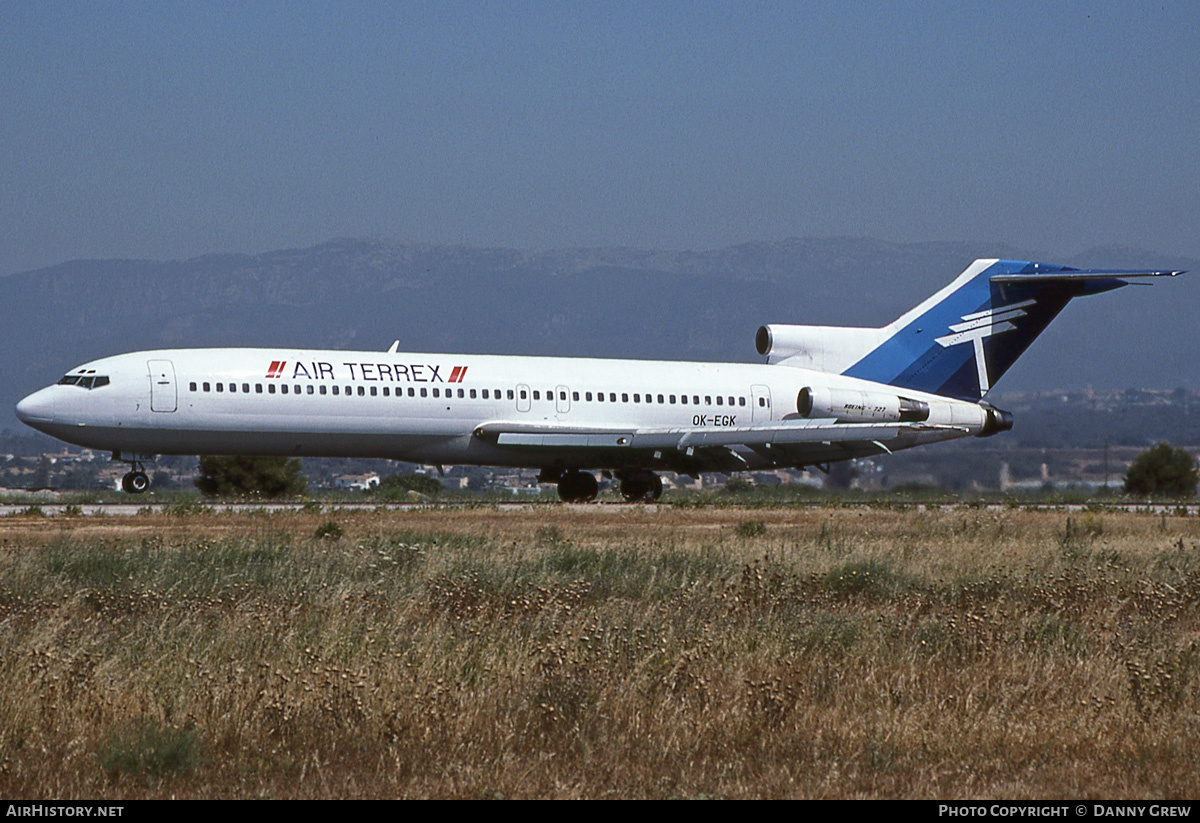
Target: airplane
{"points": [[825, 394]]}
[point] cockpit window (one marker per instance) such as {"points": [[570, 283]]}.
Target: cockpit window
{"points": [[85, 381]]}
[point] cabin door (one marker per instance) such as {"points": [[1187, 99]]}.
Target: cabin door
{"points": [[163, 397], [760, 400]]}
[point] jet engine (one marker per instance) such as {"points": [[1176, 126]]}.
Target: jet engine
{"points": [[853, 406], [824, 348]]}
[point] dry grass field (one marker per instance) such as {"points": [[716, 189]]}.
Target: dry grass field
{"points": [[601, 652]]}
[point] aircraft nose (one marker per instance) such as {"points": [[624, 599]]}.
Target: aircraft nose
{"points": [[36, 408]]}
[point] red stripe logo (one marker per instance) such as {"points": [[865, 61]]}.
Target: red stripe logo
{"points": [[457, 375], [276, 369]]}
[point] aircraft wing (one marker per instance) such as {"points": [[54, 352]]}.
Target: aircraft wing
{"points": [[689, 451]]}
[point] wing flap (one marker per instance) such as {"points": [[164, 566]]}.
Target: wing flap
{"points": [[771, 434]]}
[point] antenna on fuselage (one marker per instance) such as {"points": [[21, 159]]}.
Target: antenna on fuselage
{"points": [[395, 345]]}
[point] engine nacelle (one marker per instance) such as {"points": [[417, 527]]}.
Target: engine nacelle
{"points": [[853, 406], [823, 348]]}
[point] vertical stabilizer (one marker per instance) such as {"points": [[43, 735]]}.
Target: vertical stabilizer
{"points": [[963, 339]]}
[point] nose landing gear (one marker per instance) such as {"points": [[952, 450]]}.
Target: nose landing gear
{"points": [[135, 481]]}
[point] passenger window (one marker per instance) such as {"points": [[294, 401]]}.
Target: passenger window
{"points": [[562, 395], [270, 388], [575, 396], [233, 388], [387, 392], [672, 399], [335, 391], [323, 389], [460, 394], [282, 389], [191, 386], [660, 398], [361, 391], [374, 391], [683, 399], [472, 393], [720, 400], [258, 388], [731, 401], [220, 387], [599, 397], [588, 395], [612, 397], [310, 388], [624, 397], [437, 393], [695, 400], [413, 392], [424, 392], [537, 395], [707, 400], [637, 398], [510, 394], [485, 393]]}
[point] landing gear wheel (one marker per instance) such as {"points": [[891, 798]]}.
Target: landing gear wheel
{"points": [[578, 487], [135, 482], [655, 489], [641, 487]]}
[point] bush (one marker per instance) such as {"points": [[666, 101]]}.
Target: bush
{"points": [[397, 486], [1162, 470], [250, 477]]}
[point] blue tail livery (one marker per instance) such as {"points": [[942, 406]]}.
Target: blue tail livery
{"points": [[959, 342]]}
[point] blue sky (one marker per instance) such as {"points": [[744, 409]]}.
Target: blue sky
{"points": [[169, 129]]}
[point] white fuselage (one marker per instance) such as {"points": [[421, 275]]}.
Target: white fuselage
{"points": [[435, 408]]}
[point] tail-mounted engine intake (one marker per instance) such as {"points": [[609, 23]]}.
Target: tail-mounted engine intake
{"points": [[824, 348], [852, 406]]}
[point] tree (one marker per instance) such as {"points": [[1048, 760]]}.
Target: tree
{"points": [[1162, 470], [250, 476]]}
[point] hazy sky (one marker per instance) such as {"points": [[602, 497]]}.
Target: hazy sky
{"points": [[169, 130]]}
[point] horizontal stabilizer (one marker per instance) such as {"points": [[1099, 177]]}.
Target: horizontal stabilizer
{"points": [[1074, 275]]}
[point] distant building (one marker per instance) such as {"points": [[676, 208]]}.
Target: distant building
{"points": [[356, 482]]}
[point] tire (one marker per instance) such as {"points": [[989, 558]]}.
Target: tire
{"points": [[578, 487], [138, 482]]}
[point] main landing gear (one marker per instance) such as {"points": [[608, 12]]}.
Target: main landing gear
{"points": [[573, 486], [637, 485], [640, 486], [135, 481]]}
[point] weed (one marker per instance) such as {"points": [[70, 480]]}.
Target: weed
{"points": [[150, 750], [751, 528], [329, 530]]}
